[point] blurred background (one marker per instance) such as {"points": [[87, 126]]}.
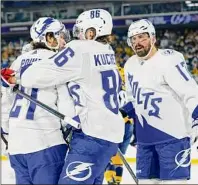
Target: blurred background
{"points": [[176, 23]]}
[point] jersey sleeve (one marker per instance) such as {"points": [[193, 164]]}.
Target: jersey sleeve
{"points": [[7, 98], [65, 102], [62, 67], [182, 83]]}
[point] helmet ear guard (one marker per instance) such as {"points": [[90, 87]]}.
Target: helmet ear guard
{"points": [[75, 31], [66, 35]]}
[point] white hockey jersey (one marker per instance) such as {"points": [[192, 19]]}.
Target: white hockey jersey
{"points": [[92, 67], [164, 96], [32, 128]]}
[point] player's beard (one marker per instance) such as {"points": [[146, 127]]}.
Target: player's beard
{"points": [[141, 50]]}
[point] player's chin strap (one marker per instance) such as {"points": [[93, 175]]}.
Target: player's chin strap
{"points": [[74, 122]]}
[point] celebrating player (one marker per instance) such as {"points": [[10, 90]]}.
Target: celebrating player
{"points": [[36, 145], [164, 96], [91, 65], [114, 170]]}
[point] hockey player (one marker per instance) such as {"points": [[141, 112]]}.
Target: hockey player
{"points": [[36, 145], [114, 170], [164, 96], [91, 65]]}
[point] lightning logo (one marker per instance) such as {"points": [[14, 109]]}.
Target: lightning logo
{"points": [[46, 23], [184, 161], [80, 168]]}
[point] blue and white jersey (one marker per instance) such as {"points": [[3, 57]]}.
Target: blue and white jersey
{"points": [[164, 95], [91, 67], [31, 128]]}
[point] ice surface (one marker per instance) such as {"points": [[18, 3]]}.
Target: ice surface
{"points": [[7, 174]]}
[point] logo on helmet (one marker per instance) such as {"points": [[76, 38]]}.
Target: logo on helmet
{"points": [[46, 24]]}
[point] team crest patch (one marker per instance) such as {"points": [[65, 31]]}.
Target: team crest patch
{"points": [[168, 52]]}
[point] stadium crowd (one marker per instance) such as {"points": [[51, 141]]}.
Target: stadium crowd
{"points": [[185, 41], [22, 13]]}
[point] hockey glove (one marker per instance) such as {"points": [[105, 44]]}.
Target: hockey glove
{"points": [[7, 77]]}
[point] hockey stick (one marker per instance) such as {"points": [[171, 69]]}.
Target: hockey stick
{"points": [[4, 140], [128, 166], [66, 119]]}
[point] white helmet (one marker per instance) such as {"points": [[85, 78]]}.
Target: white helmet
{"points": [[99, 19], [45, 25], [141, 26]]}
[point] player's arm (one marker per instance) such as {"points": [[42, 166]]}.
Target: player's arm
{"points": [[7, 98], [62, 67], [180, 81], [65, 102]]}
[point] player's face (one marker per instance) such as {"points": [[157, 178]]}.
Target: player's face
{"points": [[141, 44], [62, 41], [53, 42], [90, 34]]}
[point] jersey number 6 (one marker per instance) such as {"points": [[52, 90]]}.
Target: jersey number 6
{"points": [[62, 58]]}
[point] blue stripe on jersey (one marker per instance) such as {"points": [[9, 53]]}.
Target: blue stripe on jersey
{"points": [[195, 113], [182, 70], [149, 135], [25, 63], [77, 118], [32, 107]]}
